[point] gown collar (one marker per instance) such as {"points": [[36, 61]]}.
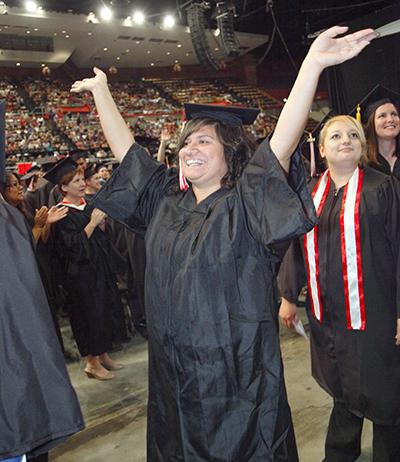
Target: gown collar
{"points": [[188, 201]]}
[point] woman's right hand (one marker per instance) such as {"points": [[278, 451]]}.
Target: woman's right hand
{"points": [[90, 84], [97, 217], [288, 313]]}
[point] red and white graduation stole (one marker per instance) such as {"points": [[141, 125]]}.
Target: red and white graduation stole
{"points": [[350, 246]]}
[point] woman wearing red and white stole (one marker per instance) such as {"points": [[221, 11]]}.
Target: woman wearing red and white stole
{"points": [[351, 264]]}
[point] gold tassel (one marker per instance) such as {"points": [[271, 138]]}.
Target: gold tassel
{"points": [[358, 113]]}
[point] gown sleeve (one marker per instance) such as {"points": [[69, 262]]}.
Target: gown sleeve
{"points": [[390, 196], [72, 242], [278, 207], [133, 193], [292, 276]]}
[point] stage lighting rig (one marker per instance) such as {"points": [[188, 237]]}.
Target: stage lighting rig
{"points": [[225, 16], [197, 21]]}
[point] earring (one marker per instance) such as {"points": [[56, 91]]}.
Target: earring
{"points": [[183, 184]]}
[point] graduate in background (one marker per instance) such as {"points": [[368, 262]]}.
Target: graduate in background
{"points": [[88, 266], [351, 261], [382, 129]]}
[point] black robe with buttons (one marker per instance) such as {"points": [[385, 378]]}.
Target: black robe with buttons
{"points": [[359, 368], [216, 387]]}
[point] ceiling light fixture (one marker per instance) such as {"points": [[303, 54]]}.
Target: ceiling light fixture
{"points": [[138, 17], [106, 13], [31, 6], [168, 22]]}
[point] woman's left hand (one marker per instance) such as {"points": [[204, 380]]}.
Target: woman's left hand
{"points": [[56, 214], [328, 50], [398, 333]]}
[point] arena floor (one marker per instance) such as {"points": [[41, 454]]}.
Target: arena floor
{"points": [[115, 411]]}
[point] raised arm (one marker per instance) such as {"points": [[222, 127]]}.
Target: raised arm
{"points": [[327, 50], [115, 129]]}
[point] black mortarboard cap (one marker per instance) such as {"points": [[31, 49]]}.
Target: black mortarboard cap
{"points": [[376, 97], [2, 141], [77, 154], [34, 170], [234, 116], [90, 171], [47, 162], [60, 169]]}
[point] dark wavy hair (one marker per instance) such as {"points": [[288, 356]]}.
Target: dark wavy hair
{"points": [[239, 146]]}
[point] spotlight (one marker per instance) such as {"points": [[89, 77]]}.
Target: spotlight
{"points": [[196, 17], [106, 13], [31, 6], [138, 17], [91, 17], [168, 22], [3, 8]]}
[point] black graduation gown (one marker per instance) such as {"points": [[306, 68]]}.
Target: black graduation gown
{"points": [[216, 388], [360, 368], [89, 266], [384, 166], [38, 406]]}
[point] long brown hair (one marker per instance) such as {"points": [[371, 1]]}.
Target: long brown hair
{"points": [[372, 139], [239, 147]]}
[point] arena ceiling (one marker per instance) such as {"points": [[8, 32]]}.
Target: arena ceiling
{"points": [[62, 30]]}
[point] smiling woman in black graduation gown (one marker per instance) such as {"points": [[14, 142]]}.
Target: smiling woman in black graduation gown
{"points": [[216, 388]]}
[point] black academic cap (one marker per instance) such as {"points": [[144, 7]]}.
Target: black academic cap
{"points": [[34, 170], [60, 169], [47, 162], [90, 171], [235, 116], [3, 141], [376, 97], [77, 154]]}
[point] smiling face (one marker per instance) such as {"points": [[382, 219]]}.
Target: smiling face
{"points": [[202, 158], [75, 189], [387, 122], [342, 142]]}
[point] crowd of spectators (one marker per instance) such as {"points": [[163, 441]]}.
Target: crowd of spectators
{"points": [[147, 105]]}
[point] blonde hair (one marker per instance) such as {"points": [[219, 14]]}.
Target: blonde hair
{"points": [[357, 127]]}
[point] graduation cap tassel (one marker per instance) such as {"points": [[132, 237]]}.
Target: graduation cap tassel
{"points": [[358, 113], [183, 184], [313, 167], [388, 29]]}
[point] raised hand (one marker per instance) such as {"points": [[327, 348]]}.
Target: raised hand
{"points": [[90, 84], [56, 214], [328, 49], [398, 333], [165, 133]]}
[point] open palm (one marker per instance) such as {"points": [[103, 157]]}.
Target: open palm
{"points": [[329, 50]]}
